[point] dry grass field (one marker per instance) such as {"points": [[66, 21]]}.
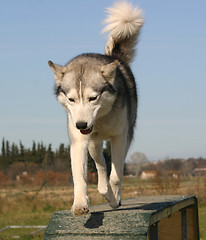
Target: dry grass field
{"points": [[26, 205]]}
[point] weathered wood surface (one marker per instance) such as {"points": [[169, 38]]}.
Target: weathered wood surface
{"points": [[131, 221]]}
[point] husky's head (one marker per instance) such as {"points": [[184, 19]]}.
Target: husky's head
{"points": [[86, 88]]}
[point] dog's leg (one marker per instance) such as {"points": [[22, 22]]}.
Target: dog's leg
{"points": [[96, 152], [119, 149], [78, 151]]}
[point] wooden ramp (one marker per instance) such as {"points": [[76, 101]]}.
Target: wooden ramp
{"points": [[142, 218]]}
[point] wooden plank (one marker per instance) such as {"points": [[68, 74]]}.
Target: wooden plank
{"points": [[170, 227], [192, 224]]}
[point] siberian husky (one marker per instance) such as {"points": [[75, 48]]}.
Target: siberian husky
{"points": [[99, 94]]}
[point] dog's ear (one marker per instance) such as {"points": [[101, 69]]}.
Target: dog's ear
{"points": [[109, 70], [58, 71]]}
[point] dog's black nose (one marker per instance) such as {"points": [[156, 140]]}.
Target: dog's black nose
{"points": [[81, 125]]}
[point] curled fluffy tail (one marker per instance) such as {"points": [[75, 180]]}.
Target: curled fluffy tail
{"points": [[123, 24]]}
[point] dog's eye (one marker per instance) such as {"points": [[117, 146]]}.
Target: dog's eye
{"points": [[71, 100], [92, 98]]}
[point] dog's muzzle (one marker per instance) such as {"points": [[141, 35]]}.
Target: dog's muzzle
{"points": [[82, 126]]}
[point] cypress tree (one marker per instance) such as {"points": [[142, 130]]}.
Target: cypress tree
{"points": [[3, 163], [3, 150], [8, 153], [22, 151], [34, 149]]}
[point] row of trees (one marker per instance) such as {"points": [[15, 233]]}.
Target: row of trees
{"points": [[40, 156]]}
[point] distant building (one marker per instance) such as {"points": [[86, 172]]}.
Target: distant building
{"points": [[148, 174], [199, 172]]}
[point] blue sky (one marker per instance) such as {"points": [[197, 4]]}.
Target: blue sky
{"points": [[170, 69]]}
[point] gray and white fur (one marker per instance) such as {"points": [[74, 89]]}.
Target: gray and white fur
{"points": [[99, 94]]}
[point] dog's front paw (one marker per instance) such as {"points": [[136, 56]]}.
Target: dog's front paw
{"points": [[113, 198], [79, 210], [114, 203]]}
